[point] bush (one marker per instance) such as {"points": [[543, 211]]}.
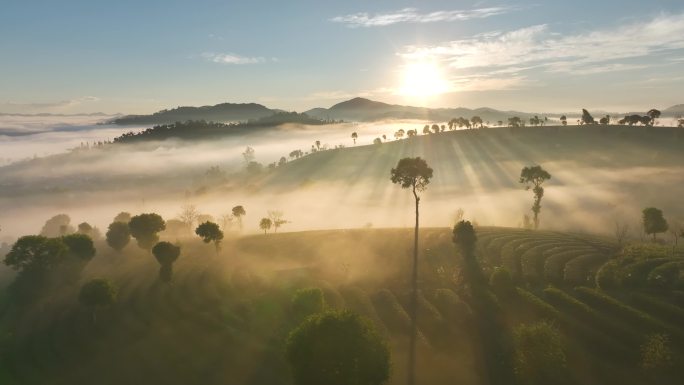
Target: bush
{"points": [[539, 356], [337, 348], [306, 302]]}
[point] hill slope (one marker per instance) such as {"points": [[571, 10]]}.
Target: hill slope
{"points": [[225, 112]]}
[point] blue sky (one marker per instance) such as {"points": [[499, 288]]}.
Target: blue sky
{"points": [[141, 56]]}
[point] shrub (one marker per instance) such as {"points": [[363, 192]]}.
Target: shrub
{"points": [[306, 302], [501, 283], [539, 356]]}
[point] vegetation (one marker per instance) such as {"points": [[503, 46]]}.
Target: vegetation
{"points": [[210, 232], [97, 293], [535, 176], [145, 228], [337, 349]]}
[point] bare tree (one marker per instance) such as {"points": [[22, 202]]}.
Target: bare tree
{"points": [[276, 217], [189, 215], [621, 233]]}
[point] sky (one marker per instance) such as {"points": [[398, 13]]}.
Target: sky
{"points": [[127, 56]]}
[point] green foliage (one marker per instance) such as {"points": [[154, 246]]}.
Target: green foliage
{"points": [[653, 221], [412, 173], [265, 224], [540, 356], [97, 292], [57, 226], [306, 302], [534, 177], [36, 252], [337, 348], [144, 229], [118, 235], [166, 253], [210, 232], [80, 246]]}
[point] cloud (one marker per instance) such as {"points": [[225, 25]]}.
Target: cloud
{"points": [[411, 15], [230, 58], [21, 107], [537, 46]]}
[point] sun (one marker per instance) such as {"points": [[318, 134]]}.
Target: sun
{"points": [[423, 80]]}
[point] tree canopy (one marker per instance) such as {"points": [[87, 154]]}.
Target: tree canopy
{"points": [[144, 229], [412, 173], [337, 348], [653, 221]]}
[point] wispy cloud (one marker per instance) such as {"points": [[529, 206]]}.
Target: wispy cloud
{"points": [[231, 58], [46, 106], [412, 15], [598, 51]]}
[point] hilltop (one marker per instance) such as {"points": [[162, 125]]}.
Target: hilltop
{"points": [[361, 109]]}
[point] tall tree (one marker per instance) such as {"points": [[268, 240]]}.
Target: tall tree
{"points": [[654, 222], [238, 213], [533, 177], [354, 136], [413, 173]]}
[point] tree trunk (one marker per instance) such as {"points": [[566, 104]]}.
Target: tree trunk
{"points": [[413, 305]]}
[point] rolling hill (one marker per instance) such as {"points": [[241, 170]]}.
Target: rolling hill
{"points": [[225, 112]]}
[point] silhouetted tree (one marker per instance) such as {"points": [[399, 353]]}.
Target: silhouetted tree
{"points": [[653, 221], [426, 129], [118, 235], [476, 121], [465, 238], [145, 228], [514, 122], [96, 293], [276, 217], [238, 213], [377, 141], [535, 176], [57, 226], [210, 232], [36, 252], [188, 215], [80, 246], [564, 120], [587, 118], [413, 173], [354, 136], [166, 254], [435, 128], [337, 348], [411, 133], [123, 217], [653, 114], [265, 224]]}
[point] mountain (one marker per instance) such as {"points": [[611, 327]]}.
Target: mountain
{"points": [[677, 110], [224, 112], [361, 109]]}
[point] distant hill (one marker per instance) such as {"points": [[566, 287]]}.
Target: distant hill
{"points": [[224, 112], [361, 109], [677, 110]]}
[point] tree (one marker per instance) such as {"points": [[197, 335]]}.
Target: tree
{"points": [[621, 233], [564, 120], [85, 228], [514, 122], [306, 302], [354, 136], [337, 348], [276, 217], [587, 118], [145, 228], [238, 213], [166, 254], [80, 246], [248, 155], [476, 121], [118, 235], [540, 357], [604, 120], [377, 141], [282, 161], [210, 232], [57, 226], [413, 173], [188, 215], [653, 114], [465, 239], [96, 293], [535, 176], [254, 168], [36, 252], [426, 130], [653, 221], [123, 217], [265, 224]]}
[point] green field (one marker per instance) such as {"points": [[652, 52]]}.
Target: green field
{"points": [[224, 318]]}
